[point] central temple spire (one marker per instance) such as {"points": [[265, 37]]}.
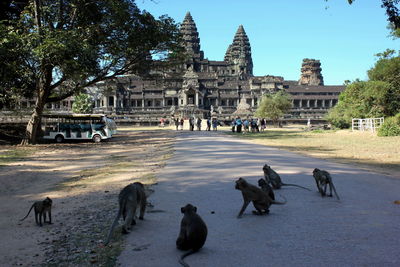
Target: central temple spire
{"points": [[239, 53], [191, 37]]}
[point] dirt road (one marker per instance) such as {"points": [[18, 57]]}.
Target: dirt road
{"points": [[362, 229], [84, 180]]}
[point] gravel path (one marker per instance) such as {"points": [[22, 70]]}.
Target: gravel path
{"points": [[362, 229]]}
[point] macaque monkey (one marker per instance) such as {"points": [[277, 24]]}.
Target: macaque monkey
{"points": [[130, 199], [251, 193], [266, 188], [271, 177], [323, 179], [41, 208], [192, 234]]}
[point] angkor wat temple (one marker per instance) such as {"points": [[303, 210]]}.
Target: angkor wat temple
{"points": [[204, 87]]}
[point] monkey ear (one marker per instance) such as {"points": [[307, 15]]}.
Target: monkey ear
{"points": [[183, 209], [195, 208]]}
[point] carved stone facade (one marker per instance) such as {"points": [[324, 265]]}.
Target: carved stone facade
{"points": [[204, 87], [311, 72]]}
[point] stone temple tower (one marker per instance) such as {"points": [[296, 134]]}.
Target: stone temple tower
{"points": [[311, 72], [191, 37], [238, 54]]}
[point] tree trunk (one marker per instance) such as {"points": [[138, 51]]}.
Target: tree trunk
{"points": [[32, 128]]}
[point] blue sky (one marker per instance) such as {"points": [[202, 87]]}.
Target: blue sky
{"points": [[343, 37]]}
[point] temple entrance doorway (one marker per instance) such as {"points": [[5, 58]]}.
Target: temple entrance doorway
{"points": [[190, 99]]}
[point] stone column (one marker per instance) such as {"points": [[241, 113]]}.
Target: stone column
{"points": [[330, 103], [308, 103]]}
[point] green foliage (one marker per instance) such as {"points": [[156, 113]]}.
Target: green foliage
{"points": [[54, 49], [274, 106], [83, 103], [378, 97], [391, 126]]}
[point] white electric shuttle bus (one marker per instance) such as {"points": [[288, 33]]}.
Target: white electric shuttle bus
{"points": [[94, 127]]}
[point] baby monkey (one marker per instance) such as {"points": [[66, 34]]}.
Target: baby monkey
{"points": [[41, 208]]}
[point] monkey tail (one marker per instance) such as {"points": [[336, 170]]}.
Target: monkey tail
{"points": [[28, 212], [182, 262], [113, 225], [334, 190], [297, 186]]}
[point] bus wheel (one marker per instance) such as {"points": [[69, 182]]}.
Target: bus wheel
{"points": [[59, 138], [96, 138]]}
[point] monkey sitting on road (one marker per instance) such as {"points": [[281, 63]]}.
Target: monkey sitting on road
{"points": [[130, 198], [323, 179], [193, 232], [41, 208], [266, 188], [251, 193], [271, 177]]}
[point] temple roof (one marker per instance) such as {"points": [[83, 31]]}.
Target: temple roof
{"points": [[240, 49], [190, 35]]}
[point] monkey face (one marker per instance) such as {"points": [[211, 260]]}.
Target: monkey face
{"points": [[47, 202], [240, 183], [316, 170], [261, 182], [266, 167]]}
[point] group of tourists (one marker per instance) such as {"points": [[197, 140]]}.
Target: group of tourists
{"points": [[214, 123], [248, 125]]}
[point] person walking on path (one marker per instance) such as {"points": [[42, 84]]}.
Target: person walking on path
{"points": [[181, 123]]}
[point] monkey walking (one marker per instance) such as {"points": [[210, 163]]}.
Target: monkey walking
{"points": [[323, 179], [130, 198], [251, 193], [41, 208], [273, 178], [193, 232]]}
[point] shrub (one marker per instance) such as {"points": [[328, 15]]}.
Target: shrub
{"points": [[391, 126]]}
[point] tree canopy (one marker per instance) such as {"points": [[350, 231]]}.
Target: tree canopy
{"points": [[53, 49], [83, 103], [274, 106], [377, 97]]}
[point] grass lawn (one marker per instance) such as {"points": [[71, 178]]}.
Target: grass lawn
{"points": [[364, 149]]}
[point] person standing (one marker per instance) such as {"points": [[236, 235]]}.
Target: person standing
{"points": [[198, 122], [208, 124], [238, 125], [215, 124], [245, 126], [176, 123], [263, 124], [181, 123], [233, 125], [191, 123]]}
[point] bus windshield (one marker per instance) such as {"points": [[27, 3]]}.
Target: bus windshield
{"points": [[94, 127]]}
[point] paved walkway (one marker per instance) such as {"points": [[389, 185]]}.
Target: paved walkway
{"points": [[363, 229]]}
